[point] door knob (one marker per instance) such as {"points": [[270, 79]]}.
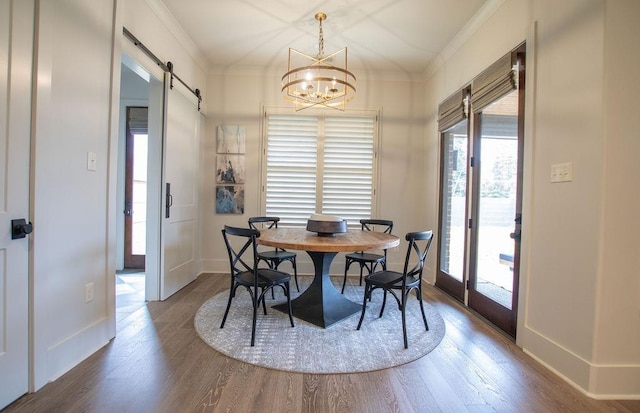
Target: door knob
{"points": [[20, 228]]}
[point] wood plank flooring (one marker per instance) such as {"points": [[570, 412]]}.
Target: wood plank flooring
{"points": [[157, 363]]}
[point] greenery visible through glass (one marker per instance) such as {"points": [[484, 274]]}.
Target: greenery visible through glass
{"points": [[497, 167]]}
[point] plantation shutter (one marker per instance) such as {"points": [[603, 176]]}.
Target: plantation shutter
{"points": [[319, 165], [291, 168], [348, 167]]}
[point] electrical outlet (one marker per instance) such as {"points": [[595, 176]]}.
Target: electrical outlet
{"points": [[88, 292]]}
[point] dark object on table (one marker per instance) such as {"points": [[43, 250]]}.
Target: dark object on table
{"points": [[326, 225]]}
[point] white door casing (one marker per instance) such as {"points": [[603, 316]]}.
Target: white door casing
{"points": [[16, 70]]}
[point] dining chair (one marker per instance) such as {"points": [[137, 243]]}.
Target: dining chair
{"points": [[368, 260], [244, 271], [274, 257], [400, 284]]}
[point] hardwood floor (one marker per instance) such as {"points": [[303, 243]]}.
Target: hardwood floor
{"points": [[157, 363]]}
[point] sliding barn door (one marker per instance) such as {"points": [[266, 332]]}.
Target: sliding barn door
{"points": [[180, 185]]}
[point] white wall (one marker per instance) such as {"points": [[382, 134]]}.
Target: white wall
{"points": [[237, 98], [79, 48], [617, 332], [577, 312], [72, 239]]}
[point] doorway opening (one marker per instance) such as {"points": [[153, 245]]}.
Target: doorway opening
{"points": [[132, 191], [135, 211], [138, 187]]}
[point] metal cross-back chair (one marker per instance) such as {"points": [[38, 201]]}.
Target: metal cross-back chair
{"points": [[274, 257], [368, 260], [244, 271], [400, 284]]}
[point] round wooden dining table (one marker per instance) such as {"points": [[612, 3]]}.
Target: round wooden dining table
{"points": [[322, 304]]}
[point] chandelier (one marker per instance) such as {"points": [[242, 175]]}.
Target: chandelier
{"points": [[320, 80]]}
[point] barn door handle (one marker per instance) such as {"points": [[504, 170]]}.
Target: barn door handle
{"points": [[168, 201], [20, 228]]}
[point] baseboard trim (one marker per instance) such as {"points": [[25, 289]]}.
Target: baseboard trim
{"points": [[66, 354], [602, 382]]}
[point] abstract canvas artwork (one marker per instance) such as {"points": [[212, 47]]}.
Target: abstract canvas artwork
{"points": [[230, 199], [231, 139], [230, 169]]}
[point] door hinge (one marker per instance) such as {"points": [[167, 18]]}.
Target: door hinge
{"points": [[471, 161], [470, 223], [468, 284]]}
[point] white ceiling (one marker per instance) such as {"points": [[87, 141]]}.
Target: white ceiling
{"points": [[380, 35]]}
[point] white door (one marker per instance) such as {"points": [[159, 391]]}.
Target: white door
{"points": [[16, 50], [180, 185]]}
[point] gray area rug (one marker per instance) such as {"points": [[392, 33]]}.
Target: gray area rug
{"points": [[307, 348]]}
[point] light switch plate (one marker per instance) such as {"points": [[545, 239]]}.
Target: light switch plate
{"points": [[91, 161], [562, 172]]}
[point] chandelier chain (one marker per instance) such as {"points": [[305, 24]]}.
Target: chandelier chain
{"points": [[321, 42]]}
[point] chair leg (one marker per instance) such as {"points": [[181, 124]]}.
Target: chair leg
{"points": [[361, 264], [370, 270], [295, 273], [424, 318], [232, 293], [274, 266], [364, 304], [226, 312], [384, 302], [347, 264], [264, 304], [404, 320], [256, 303], [287, 291]]}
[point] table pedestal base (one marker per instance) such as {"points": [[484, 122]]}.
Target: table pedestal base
{"points": [[321, 304]]}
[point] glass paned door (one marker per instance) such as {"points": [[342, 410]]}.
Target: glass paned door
{"points": [[453, 218], [139, 196], [135, 211], [496, 212], [480, 210]]}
